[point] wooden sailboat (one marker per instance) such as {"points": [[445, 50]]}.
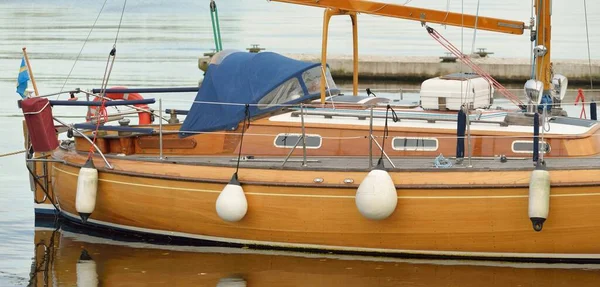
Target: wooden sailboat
{"points": [[302, 173]]}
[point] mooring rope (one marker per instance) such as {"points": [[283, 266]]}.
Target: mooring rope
{"points": [[12, 153]]}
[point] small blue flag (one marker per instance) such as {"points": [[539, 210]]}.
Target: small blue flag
{"points": [[22, 79]]}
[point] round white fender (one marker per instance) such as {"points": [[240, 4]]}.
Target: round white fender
{"points": [[539, 197], [376, 197], [87, 275], [87, 187], [232, 204]]}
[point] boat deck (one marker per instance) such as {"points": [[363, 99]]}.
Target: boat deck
{"points": [[362, 163]]}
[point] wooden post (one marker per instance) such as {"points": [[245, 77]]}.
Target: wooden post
{"points": [[354, 52], [542, 64], [30, 72]]}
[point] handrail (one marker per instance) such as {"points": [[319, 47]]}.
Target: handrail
{"points": [[98, 103], [89, 140], [362, 117], [89, 126], [149, 90]]}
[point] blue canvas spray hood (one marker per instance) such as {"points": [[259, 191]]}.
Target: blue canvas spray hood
{"points": [[242, 78]]}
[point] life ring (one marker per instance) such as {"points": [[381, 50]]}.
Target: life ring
{"points": [[145, 118]]}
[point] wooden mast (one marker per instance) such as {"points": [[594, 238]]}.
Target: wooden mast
{"points": [[543, 65]]}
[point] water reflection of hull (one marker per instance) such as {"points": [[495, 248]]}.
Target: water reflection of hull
{"points": [[117, 263]]}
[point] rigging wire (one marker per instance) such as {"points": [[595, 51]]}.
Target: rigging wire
{"points": [[107, 71], [120, 21], [454, 50], [82, 46], [588, 43], [447, 11], [475, 30]]}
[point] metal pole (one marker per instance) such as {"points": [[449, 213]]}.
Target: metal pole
{"points": [[370, 139], [384, 153], [469, 153], [328, 89], [88, 139], [542, 151], [291, 151], [303, 135], [160, 135], [87, 98]]}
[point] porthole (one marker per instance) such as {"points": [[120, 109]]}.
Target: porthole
{"points": [[414, 144], [290, 140], [527, 147]]}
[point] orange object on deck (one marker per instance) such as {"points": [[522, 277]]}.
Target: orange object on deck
{"points": [[144, 117], [581, 97]]}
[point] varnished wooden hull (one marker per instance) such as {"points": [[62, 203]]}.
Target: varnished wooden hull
{"points": [[439, 213], [116, 263]]}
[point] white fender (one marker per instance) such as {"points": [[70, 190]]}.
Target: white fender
{"points": [[231, 282], [87, 187], [87, 275], [231, 204], [539, 197], [376, 197]]}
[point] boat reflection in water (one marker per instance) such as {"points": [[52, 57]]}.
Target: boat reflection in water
{"points": [[64, 256]]}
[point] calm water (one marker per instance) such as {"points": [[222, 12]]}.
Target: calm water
{"points": [[114, 262], [159, 44]]}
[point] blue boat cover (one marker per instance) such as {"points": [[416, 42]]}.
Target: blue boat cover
{"points": [[243, 78]]}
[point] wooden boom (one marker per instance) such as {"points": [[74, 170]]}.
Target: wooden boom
{"points": [[417, 14]]}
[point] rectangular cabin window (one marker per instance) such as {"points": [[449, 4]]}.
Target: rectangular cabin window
{"points": [[414, 144], [527, 147], [289, 140]]}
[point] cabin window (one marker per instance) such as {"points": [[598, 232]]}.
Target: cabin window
{"points": [[289, 140], [288, 91], [527, 147], [312, 79], [414, 144]]}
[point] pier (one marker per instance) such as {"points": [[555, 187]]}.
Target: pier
{"points": [[394, 68]]}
